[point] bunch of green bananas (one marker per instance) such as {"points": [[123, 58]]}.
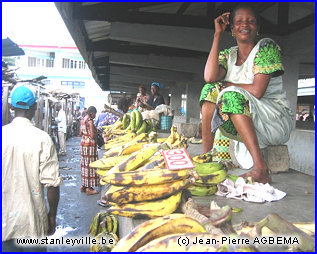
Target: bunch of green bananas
{"points": [[111, 241], [134, 121], [103, 225], [210, 174]]}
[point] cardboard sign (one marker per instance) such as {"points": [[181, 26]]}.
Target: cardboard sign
{"points": [[177, 159]]}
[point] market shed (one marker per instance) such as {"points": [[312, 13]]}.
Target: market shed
{"points": [[130, 44]]}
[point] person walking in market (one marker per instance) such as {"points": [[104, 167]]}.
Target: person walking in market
{"points": [[62, 129], [29, 163], [88, 149], [108, 118]]}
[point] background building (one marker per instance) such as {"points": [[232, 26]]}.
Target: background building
{"points": [[65, 70]]}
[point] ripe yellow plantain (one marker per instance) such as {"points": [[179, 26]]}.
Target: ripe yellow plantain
{"points": [[108, 162], [146, 177], [98, 164], [208, 243], [115, 126], [113, 152], [135, 160], [148, 209], [127, 143], [102, 183], [128, 149], [133, 194], [156, 228], [153, 162], [161, 140], [101, 172], [120, 141]]}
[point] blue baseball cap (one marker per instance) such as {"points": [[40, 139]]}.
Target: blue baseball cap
{"points": [[22, 97], [157, 84]]}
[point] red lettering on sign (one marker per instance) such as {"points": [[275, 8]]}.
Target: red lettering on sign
{"points": [[175, 151], [177, 159], [178, 163]]}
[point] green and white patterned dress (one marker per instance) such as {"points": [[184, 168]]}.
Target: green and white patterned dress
{"points": [[271, 115]]}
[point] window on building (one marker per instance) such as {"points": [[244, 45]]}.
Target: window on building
{"points": [[73, 84], [43, 63], [49, 63], [31, 61], [73, 64], [65, 63], [38, 62]]}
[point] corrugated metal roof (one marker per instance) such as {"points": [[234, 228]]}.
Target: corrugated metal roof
{"points": [[9, 48]]}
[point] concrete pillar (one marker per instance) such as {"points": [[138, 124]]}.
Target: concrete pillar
{"points": [[193, 107], [165, 92], [5, 104], [176, 98], [290, 81]]}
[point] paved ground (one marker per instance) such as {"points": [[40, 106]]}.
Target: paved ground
{"points": [[76, 209]]}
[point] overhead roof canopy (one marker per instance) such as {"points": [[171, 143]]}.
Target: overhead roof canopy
{"points": [[9, 48], [135, 43]]}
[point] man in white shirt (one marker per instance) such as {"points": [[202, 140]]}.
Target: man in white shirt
{"points": [[29, 163], [62, 129]]}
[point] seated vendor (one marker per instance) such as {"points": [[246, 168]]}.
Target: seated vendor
{"points": [[156, 98]]}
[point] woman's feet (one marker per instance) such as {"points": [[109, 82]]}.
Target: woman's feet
{"points": [[258, 175], [82, 188], [91, 191]]}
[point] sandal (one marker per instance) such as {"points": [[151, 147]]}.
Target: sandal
{"points": [[82, 188], [91, 191], [103, 203]]}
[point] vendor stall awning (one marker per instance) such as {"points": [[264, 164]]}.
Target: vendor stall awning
{"points": [[9, 48]]}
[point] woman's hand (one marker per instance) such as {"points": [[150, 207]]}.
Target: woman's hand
{"points": [[222, 22]]}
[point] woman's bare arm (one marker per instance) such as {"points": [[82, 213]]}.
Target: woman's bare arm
{"points": [[213, 72], [258, 88], [93, 132]]}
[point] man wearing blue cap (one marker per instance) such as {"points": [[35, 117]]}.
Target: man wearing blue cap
{"points": [[156, 99], [29, 163]]}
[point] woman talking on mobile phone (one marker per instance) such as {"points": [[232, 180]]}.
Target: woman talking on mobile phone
{"points": [[244, 94]]}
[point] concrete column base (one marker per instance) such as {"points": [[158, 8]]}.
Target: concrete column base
{"points": [[187, 129], [277, 158]]}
